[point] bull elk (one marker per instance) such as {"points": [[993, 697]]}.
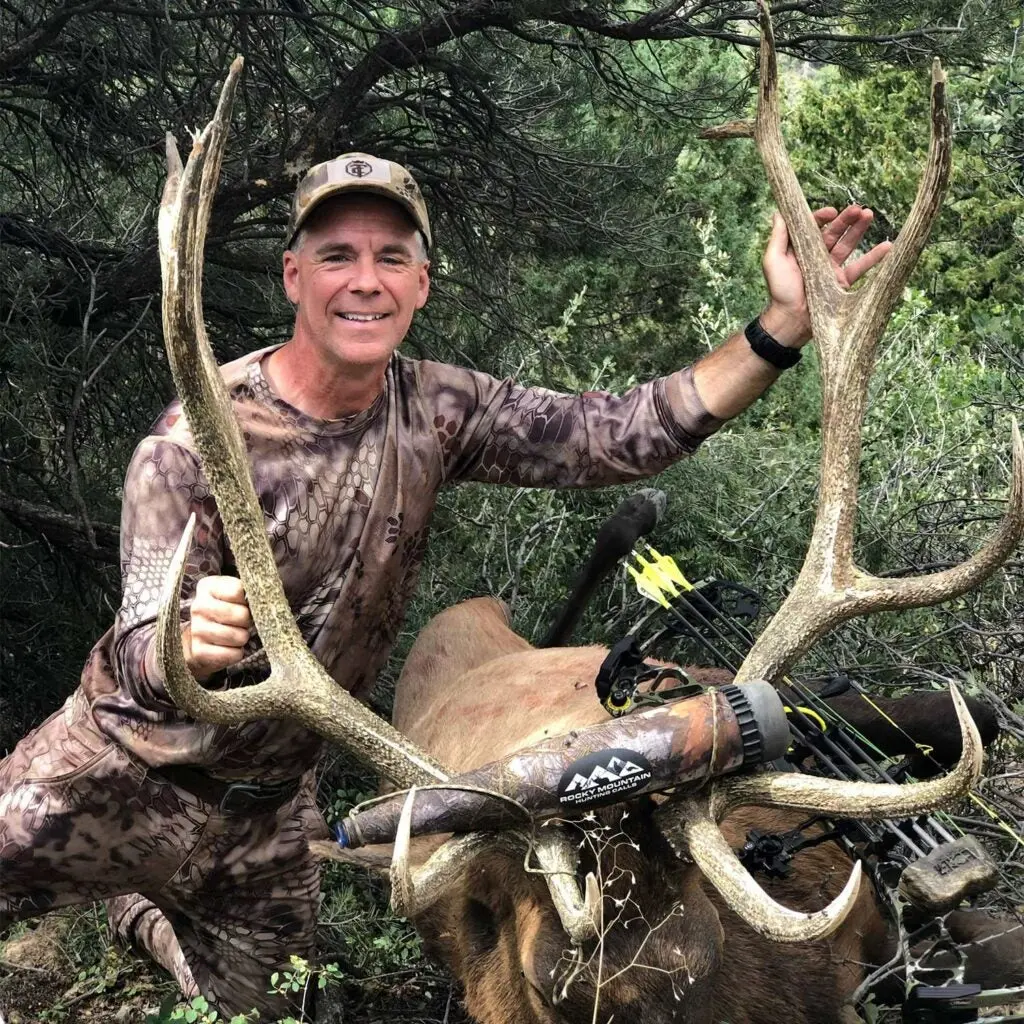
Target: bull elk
{"points": [[665, 922]]}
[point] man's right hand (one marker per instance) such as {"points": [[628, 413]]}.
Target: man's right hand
{"points": [[219, 626]]}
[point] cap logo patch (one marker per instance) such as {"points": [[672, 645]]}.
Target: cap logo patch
{"points": [[358, 168]]}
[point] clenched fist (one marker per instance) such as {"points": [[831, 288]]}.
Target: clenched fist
{"points": [[219, 626]]}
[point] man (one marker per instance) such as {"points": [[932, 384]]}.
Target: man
{"points": [[196, 834]]}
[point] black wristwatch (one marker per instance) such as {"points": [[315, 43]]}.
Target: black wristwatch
{"points": [[780, 356]]}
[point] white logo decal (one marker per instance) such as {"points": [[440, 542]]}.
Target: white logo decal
{"points": [[596, 779]]}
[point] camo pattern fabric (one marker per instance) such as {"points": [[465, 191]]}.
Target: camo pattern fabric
{"points": [[347, 505], [219, 900]]}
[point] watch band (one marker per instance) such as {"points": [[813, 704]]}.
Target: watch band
{"points": [[764, 345]]}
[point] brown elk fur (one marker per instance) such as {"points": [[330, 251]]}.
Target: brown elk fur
{"points": [[471, 691]]}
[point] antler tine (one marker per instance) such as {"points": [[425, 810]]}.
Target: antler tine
{"points": [[883, 294], [867, 800], [823, 293], [688, 826], [298, 687], [185, 215], [578, 909], [847, 328], [915, 591]]}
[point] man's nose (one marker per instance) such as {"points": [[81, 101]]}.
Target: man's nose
{"points": [[364, 275]]}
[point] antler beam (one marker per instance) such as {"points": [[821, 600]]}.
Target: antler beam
{"points": [[847, 327], [298, 687]]}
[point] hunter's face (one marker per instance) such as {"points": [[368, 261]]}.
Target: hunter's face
{"points": [[357, 279]]}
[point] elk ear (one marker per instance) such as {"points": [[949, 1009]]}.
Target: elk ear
{"points": [[481, 925]]}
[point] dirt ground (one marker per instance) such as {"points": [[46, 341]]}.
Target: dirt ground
{"points": [[62, 971], [58, 973]]}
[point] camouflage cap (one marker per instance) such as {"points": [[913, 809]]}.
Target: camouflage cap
{"points": [[358, 172]]}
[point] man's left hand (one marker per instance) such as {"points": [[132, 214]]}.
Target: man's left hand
{"points": [[787, 318]]}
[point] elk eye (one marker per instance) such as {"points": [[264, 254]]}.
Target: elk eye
{"points": [[481, 926]]}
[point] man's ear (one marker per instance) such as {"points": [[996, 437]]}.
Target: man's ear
{"points": [[290, 276], [424, 282]]}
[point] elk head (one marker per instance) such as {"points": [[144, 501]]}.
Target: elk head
{"points": [[663, 946]]}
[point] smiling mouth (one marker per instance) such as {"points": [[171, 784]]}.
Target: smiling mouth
{"points": [[362, 318]]}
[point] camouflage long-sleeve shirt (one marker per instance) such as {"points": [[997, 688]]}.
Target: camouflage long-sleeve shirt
{"points": [[347, 506]]}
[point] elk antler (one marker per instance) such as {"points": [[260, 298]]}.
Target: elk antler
{"points": [[298, 688], [847, 328], [830, 589]]}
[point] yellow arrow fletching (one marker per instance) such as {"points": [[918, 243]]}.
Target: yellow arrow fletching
{"points": [[664, 583], [647, 587], [667, 565]]}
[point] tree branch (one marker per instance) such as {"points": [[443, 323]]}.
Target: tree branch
{"points": [[63, 530]]}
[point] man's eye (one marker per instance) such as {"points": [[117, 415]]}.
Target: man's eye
{"points": [[392, 261]]}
